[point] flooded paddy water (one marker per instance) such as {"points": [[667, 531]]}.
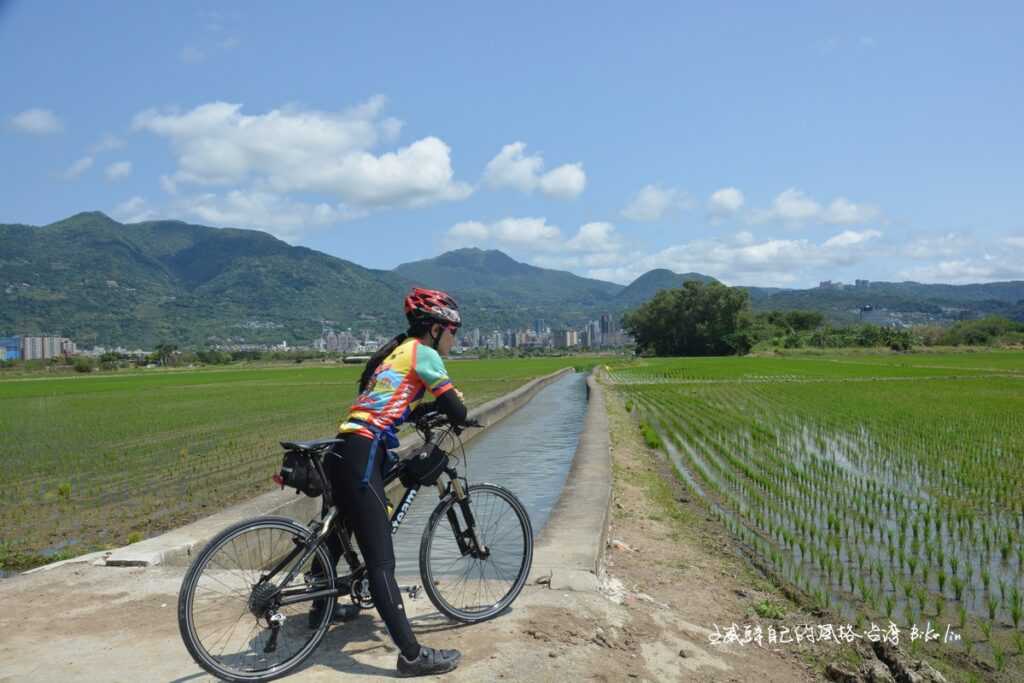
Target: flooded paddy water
{"points": [[878, 500]]}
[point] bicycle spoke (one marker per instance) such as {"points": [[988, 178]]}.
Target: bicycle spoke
{"points": [[219, 594], [472, 589]]}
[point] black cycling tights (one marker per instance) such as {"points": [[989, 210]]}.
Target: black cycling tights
{"points": [[367, 515]]}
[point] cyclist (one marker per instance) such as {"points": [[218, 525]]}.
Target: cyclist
{"points": [[394, 381]]}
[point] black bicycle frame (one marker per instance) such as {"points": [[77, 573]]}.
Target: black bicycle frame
{"points": [[465, 539]]}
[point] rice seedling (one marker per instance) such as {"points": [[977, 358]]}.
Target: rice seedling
{"points": [[837, 477], [88, 460]]}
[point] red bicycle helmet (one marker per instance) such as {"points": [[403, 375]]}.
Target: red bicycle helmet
{"points": [[431, 306]]}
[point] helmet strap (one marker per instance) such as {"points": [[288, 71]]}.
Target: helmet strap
{"points": [[436, 340]]}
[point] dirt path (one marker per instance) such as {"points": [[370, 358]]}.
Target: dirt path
{"points": [[671, 577]]}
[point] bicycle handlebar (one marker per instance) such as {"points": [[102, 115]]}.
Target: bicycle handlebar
{"points": [[430, 419]]}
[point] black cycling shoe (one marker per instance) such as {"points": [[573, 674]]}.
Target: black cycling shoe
{"points": [[342, 613], [429, 662]]}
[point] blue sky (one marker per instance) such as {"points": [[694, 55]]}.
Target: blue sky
{"points": [[764, 145]]}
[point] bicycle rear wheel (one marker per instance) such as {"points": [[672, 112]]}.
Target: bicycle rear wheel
{"points": [[472, 586], [225, 604]]}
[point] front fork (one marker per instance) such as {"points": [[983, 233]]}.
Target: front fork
{"points": [[468, 539]]}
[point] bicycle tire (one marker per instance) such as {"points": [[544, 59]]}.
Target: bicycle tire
{"points": [[503, 525], [239, 594]]}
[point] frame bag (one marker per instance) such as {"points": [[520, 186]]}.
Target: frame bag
{"points": [[423, 468]]}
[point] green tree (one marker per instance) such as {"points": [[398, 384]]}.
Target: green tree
{"points": [[697, 319], [165, 352]]}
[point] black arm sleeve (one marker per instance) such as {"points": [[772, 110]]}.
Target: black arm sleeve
{"points": [[451, 405]]}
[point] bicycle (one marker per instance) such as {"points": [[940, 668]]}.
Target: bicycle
{"points": [[246, 608]]}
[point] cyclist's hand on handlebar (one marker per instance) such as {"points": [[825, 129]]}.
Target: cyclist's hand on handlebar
{"points": [[421, 411]]}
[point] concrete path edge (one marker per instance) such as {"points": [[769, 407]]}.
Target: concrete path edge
{"points": [[569, 554]]}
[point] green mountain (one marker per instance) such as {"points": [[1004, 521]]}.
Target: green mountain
{"points": [[647, 285], [102, 282], [923, 302], [497, 291]]}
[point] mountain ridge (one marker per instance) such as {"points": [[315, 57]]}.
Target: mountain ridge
{"points": [[104, 282]]}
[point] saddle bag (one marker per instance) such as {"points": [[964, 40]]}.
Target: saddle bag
{"points": [[299, 472]]}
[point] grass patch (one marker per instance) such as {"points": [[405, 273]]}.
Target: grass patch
{"points": [[767, 609], [651, 438]]}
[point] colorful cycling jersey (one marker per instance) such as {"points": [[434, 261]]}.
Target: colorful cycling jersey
{"points": [[398, 384]]}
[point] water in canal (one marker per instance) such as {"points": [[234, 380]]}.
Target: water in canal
{"points": [[529, 453]]}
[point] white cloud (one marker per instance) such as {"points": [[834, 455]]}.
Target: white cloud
{"points": [[725, 202], [984, 268], [106, 143], [794, 205], [168, 185], [779, 262], [651, 203], [842, 212], [469, 232], [596, 244], [192, 55], [595, 237], [794, 208], [960, 259], [511, 168], [295, 150], [851, 238], [565, 182], [134, 210], [37, 122], [532, 234], [928, 247], [267, 211], [119, 170], [78, 168]]}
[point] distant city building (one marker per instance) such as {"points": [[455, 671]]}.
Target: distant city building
{"points": [[10, 348], [861, 284], [41, 347], [878, 316], [566, 338]]}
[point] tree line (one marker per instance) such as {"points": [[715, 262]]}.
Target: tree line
{"points": [[712, 319]]}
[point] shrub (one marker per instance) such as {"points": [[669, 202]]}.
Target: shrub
{"points": [[84, 364]]}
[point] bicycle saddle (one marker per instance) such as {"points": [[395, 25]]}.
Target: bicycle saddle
{"points": [[316, 445]]}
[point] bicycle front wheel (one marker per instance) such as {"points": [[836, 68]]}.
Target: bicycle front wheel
{"points": [[469, 584], [228, 609]]}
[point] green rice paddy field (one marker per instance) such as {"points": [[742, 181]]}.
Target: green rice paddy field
{"points": [[96, 461], [886, 486]]}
